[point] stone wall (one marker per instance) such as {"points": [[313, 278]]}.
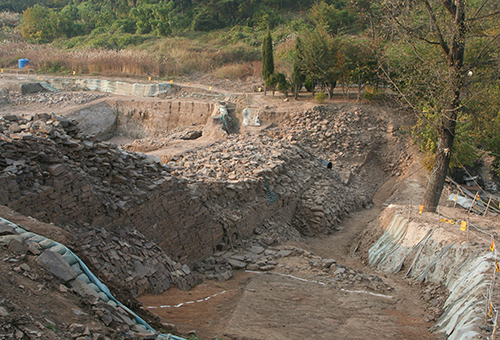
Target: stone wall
{"points": [[140, 119], [54, 173]]}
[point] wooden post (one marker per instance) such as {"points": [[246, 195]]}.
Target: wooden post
{"points": [[467, 229], [472, 205], [489, 202]]}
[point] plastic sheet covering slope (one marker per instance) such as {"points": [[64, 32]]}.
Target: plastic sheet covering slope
{"points": [[440, 256], [85, 274], [112, 86]]}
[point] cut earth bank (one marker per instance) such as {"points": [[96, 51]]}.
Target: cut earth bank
{"points": [[252, 199]]}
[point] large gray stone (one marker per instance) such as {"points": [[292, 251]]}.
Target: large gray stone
{"points": [[85, 291], [6, 228], [56, 265], [256, 249], [18, 247], [140, 269], [237, 264], [32, 88]]}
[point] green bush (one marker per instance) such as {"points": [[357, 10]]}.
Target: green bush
{"points": [[320, 97]]}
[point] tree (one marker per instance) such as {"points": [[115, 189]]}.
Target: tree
{"points": [[441, 28], [267, 59], [298, 76], [321, 58], [37, 24]]}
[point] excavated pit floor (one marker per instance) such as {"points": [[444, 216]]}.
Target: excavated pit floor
{"points": [[270, 306]]}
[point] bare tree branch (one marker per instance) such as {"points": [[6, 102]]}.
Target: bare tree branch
{"points": [[473, 64], [443, 44], [479, 9]]}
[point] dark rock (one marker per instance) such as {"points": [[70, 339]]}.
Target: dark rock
{"points": [[18, 247], [56, 169], [32, 88], [56, 265]]}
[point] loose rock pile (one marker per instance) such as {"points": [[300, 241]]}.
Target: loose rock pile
{"points": [[141, 266], [332, 133], [41, 154], [50, 99], [290, 261]]}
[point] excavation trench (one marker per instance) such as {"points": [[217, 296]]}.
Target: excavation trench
{"points": [[257, 204]]}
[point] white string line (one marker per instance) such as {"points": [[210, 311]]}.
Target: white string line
{"points": [[365, 292], [186, 303], [321, 283]]}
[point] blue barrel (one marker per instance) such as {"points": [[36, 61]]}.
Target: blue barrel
{"points": [[23, 62]]}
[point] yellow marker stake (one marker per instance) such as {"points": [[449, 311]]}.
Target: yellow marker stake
{"points": [[2, 70], [74, 72], [171, 82], [463, 226], [149, 78], [420, 209], [210, 88]]}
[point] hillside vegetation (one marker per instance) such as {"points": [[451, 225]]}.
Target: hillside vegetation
{"points": [[377, 47]]}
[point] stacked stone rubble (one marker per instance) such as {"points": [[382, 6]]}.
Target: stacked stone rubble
{"points": [[53, 172]]}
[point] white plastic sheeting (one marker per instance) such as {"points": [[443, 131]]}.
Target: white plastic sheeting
{"points": [[251, 117], [112, 86], [466, 271]]}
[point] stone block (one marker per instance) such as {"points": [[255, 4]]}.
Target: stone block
{"points": [[6, 228], [237, 264], [56, 265], [56, 169], [85, 291], [18, 247]]}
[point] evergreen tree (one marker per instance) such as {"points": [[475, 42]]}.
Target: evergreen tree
{"points": [[298, 76], [267, 59]]}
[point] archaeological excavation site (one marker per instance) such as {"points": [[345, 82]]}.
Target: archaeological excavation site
{"points": [[149, 210]]}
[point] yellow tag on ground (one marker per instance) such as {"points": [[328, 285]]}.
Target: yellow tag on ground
{"points": [[463, 226], [149, 78], [420, 209], [189, 84], [492, 247], [74, 72], [456, 197], [171, 82], [2, 70], [210, 88], [38, 77]]}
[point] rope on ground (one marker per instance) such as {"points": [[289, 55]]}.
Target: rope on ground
{"points": [[185, 303]]}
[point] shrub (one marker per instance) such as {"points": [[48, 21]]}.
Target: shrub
{"points": [[320, 97]]}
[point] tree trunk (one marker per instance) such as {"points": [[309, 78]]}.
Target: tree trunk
{"points": [[446, 136], [441, 165], [454, 51]]}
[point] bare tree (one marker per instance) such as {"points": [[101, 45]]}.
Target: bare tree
{"points": [[445, 25]]}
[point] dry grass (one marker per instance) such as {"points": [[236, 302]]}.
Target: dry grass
{"points": [[165, 58], [10, 19]]}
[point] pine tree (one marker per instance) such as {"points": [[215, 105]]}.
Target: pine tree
{"points": [[267, 59]]}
